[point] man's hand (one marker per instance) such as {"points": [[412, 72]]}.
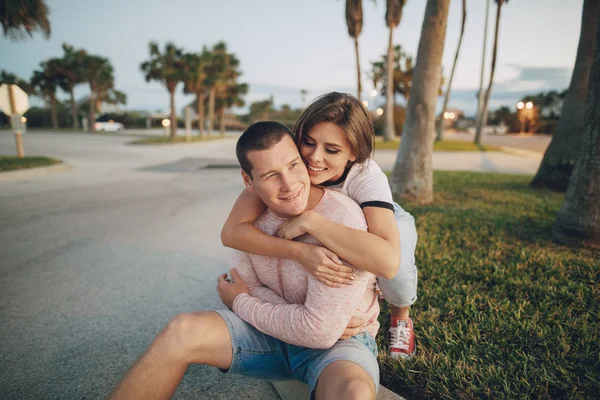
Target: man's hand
{"points": [[229, 289], [354, 328], [325, 266]]}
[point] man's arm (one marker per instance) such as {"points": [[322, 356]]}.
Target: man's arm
{"points": [[318, 323], [242, 263]]}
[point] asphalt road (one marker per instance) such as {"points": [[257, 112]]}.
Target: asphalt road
{"points": [[95, 261]]}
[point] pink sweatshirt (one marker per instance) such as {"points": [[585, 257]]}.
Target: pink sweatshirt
{"points": [[286, 302]]}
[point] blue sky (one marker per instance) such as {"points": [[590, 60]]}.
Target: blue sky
{"points": [[285, 45]]}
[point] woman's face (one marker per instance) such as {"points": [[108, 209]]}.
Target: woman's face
{"points": [[326, 152]]}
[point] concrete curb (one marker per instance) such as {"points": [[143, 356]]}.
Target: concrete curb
{"points": [[295, 390], [521, 152], [34, 172]]}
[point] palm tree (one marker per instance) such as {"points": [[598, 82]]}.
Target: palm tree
{"points": [[12, 79], [72, 71], [557, 165], [440, 127], [20, 18], [196, 65], [44, 84], [98, 73], [354, 20], [168, 68], [303, 94], [233, 97], [222, 72], [578, 221], [393, 15], [486, 99], [402, 73], [481, 113], [412, 176]]}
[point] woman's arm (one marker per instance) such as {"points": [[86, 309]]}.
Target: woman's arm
{"points": [[376, 251], [240, 233]]}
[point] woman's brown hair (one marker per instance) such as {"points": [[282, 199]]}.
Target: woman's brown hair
{"points": [[345, 111]]}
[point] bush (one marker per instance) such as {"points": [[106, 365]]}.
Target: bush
{"points": [[399, 118]]}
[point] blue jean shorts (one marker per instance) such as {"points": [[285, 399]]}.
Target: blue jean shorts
{"points": [[261, 356]]}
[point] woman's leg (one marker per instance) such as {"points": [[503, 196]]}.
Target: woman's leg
{"points": [[401, 291]]}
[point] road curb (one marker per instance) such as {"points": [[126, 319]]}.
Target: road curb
{"points": [[34, 172], [521, 152], [295, 390]]}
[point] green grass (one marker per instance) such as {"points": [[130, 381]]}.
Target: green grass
{"points": [[9, 163], [503, 312], [446, 145], [154, 140]]}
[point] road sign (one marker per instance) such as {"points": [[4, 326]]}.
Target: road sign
{"points": [[19, 97]]}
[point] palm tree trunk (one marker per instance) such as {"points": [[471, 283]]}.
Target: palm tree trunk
{"points": [[440, 128], [486, 99], [173, 117], [480, 96], [412, 176], [200, 101], [389, 131], [211, 109], [359, 85], [92, 111], [53, 113], [578, 221], [222, 122], [74, 110], [557, 165]]}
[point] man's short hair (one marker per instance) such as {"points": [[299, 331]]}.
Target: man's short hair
{"points": [[259, 136]]}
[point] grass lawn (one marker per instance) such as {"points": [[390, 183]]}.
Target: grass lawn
{"points": [[503, 312], [446, 145], [178, 139], [10, 163]]}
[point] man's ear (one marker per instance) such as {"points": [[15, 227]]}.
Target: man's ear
{"points": [[247, 181]]}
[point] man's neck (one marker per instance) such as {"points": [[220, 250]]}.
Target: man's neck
{"points": [[314, 197]]}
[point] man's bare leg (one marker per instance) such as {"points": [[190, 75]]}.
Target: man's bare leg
{"points": [[191, 338], [345, 380]]}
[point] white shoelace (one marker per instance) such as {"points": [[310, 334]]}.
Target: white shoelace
{"points": [[400, 337]]}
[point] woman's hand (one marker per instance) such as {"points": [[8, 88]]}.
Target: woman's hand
{"points": [[296, 226], [325, 266]]}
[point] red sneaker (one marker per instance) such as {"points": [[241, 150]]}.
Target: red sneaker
{"points": [[401, 338]]}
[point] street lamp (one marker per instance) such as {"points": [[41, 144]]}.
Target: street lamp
{"points": [[373, 92], [529, 105], [380, 111], [365, 104], [166, 123], [520, 105]]}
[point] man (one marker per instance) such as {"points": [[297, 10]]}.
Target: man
{"points": [[286, 324]]}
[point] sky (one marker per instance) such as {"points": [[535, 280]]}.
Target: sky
{"points": [[288, 45]]}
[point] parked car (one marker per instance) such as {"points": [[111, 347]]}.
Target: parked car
{"points": [[491, 130], [109, 126]]}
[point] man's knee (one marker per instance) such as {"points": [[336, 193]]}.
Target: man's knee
{"points": [[357, 388], [183, 334], [345, 380]]}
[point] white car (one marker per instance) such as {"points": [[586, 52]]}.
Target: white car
{"points": [[110, 126]]}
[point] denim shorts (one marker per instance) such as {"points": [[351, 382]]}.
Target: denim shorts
{"points": [[401, 290], [261, 356]]}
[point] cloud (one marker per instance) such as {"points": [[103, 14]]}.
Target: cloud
{"points": [[535, 78]]}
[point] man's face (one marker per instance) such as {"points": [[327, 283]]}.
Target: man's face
{"points": [[280, 178]]}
